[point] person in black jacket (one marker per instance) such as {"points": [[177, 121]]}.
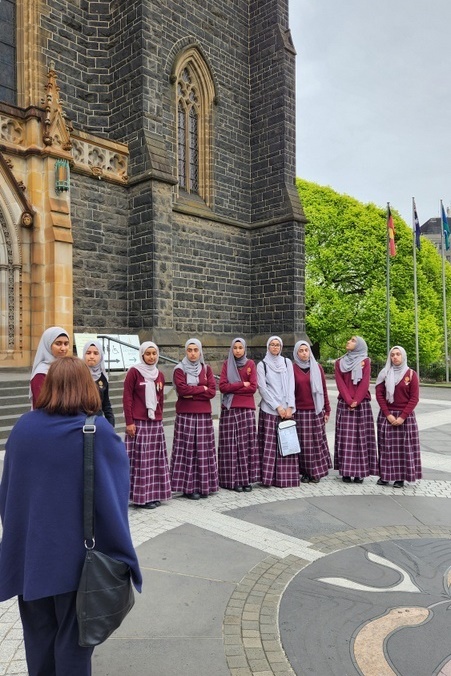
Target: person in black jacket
{"points": [[93, 357]]}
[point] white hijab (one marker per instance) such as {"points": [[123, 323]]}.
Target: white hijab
{"points": [[99, 369], [352, 360], [192, 369], [276, 364], [392, 374], [150, 374], [44, 356], [233, 364]]}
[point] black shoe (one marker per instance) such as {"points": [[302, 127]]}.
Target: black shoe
{"points": [[382, 483], [358, 480], [313, 481], [305, 479], [158, 503], [204, 496], [398, 484], [149, 505], [191, 496], [346, 479], [238, 489], [247, 489]]}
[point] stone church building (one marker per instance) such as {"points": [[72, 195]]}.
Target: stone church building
{"points": [[147, 167]]}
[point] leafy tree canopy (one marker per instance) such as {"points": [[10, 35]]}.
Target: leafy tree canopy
{"points": [[345, 244]]}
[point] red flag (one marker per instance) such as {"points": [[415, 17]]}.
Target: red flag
{"points": [[391, 232]]}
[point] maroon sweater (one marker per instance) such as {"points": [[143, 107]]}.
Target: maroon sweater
{"points": [[303, 390], [194, 398], [36, 386], [243, 397], [134, 398], [347, 391], [405, 397]]}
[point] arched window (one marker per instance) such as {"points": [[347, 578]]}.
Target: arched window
{"points": [[194, 100], [8, 86]]}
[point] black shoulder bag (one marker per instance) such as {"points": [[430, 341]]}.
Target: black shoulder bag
{"points": [[105, 593]]}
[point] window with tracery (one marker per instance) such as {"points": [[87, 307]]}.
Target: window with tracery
{"points": [[195, 95], [8, 51], [188, 129]]}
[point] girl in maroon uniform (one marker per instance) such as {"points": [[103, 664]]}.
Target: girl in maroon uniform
{"points": [[54, 344], [194, 470], [397, 393], [238, 461], [312, 412], [355, 439], [144, 439], [276, 386]]}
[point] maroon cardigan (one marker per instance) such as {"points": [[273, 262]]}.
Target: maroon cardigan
{"points": [[243, 397], [194, 398]]}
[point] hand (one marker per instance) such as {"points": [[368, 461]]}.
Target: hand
{"points": [[398, 421], [354, 404], [246, 384], [391, 419], [205, 388], [288, 412], [326, 417], [131, 430], [281, 411]]}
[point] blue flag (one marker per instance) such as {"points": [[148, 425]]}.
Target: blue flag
{"points": [[417, 227], [445, 227]]}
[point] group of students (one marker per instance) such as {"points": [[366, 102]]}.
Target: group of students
{"points": [[43, 548], [248, 454]]}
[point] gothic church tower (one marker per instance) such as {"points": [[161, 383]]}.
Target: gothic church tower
{"points": [[147, 167]]}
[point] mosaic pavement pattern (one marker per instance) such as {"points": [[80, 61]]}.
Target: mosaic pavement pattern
{"points": [[372, 600]]}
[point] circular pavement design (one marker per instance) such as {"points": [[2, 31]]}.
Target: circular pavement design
{"points": [[376, 609]]}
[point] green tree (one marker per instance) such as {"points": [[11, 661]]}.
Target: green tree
{"points": [[345, 247]]}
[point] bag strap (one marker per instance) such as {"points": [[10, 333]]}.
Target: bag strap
{"points": [[89, 430]]}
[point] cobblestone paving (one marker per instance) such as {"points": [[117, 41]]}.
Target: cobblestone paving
{"points": [[251, 637]]}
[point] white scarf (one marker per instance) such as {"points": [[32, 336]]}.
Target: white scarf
{"points": [[150, 374], [392, 374]]}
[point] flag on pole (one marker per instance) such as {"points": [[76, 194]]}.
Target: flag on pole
{"points": [[445, 227], [417, 226], [391, 232]]}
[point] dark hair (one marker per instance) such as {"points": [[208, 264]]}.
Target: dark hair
{"points": [[69, 388]]}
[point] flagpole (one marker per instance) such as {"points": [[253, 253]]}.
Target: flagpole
{"points": [[415, 287], [445, 323], [388, 284]]}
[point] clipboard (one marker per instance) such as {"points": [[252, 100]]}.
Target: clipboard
{"points": [[287, 438]]}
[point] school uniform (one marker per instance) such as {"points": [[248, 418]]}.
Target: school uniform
{"points": [[147, 452], [276, 386], [193, 461], [355, 439], [399, 445], [314, 459], [238, 459]]}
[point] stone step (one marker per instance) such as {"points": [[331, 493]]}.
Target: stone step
{"points": [[14, 402]]}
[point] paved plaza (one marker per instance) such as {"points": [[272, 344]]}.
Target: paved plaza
{"points": [[328, 579]]}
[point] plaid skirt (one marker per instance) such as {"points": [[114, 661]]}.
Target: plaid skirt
{"points": [[314, 459], [238, 461], [149, 470], [399, 449], [355, 440], [193, 461], [276, 470]]}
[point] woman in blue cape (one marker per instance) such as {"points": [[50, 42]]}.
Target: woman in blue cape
{"points": [[41, 507]]}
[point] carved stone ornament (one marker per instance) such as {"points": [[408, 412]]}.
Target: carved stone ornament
{"points": [[56, 128]]}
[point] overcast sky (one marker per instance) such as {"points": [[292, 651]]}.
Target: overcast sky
{"points": [[374, 99]]}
